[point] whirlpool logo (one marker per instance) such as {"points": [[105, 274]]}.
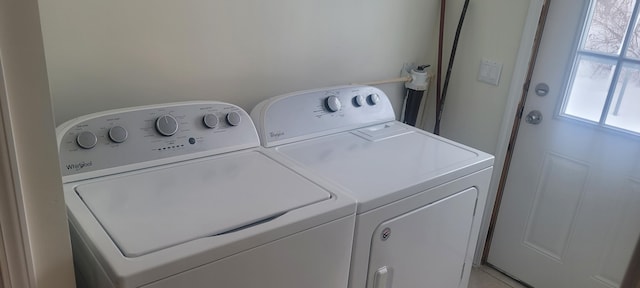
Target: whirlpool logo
{"points": [[80, 165], [276, 134]]}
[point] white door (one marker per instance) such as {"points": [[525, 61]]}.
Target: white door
{"points": [[570, 213]]}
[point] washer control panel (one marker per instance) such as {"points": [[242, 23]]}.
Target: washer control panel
{"points": [[125, 139], [301, 115]]}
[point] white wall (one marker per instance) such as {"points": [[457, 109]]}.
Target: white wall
{"points": [[474, 110], [111, 54]]}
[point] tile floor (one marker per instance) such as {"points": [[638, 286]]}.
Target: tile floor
{"points": [[487, 277]]}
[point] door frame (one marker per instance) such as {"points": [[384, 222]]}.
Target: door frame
{"points": [[518, 90], [510, 120], [514, 121], [36, 249], [14, 270]]}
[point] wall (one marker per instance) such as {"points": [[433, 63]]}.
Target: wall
{"points": [[112, 54], [474, 110], [32, 208]]}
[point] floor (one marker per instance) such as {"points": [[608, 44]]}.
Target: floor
{"points": [[487, 277]]}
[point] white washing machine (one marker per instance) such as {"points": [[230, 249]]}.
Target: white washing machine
{"points": [[420, 196], [181, 195]]}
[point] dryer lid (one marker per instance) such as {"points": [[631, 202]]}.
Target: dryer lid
{"points": [[156, 209], [384, 163]]}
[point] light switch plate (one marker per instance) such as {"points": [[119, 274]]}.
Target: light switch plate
{"points": [[490, 72]]}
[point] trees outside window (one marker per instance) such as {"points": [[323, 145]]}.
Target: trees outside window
{"points": [[604, 86]]}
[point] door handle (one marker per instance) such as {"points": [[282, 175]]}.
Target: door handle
{"points": [[382, 278], [534, 117]]}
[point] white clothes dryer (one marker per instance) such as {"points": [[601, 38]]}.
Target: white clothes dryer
{"points": [[420, 196], [181, 195]]}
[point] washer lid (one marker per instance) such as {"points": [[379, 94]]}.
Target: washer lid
{"points": [[156, 209]]}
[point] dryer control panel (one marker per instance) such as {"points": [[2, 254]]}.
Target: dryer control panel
{"points": [[307, 114], [126, 139]]}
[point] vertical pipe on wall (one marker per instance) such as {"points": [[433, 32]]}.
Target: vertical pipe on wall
{"points": [[443, 94], [439, 68]]}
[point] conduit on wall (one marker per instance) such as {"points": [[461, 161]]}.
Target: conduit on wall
{"points": [[442, 94], [443, 4]]}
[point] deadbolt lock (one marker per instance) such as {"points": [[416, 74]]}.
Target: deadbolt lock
{"points": [[542, 89]]}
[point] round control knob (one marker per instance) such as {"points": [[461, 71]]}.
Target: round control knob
{"points": [[233, 118], [333, 103], [87, 140], [118, 134], [167, 125], [210, 120], [358, 101], [373, 99]]}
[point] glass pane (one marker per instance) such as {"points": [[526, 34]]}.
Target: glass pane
{"points": [[608, 25], [633, 50], [589, 88], [625, 107]]}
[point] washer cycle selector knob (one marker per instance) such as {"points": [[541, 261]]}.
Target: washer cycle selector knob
{"points": [[233, 118], [333, 103], [358, 101], [87, 140], [167, 125], [210, 120], [118, 134], [373, 99]]}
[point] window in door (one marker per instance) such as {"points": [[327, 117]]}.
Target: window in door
{"points": [[604, 84]]}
